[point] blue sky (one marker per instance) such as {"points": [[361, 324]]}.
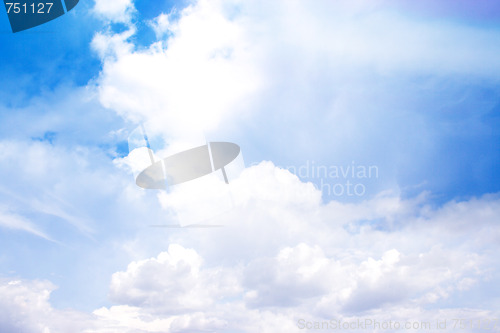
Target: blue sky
{"points": [[409, 88]]}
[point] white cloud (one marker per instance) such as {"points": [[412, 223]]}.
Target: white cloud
{"points": [[284, 254], [56, 165], [318, 77], [187, 84], [38, 170], [113, 45], [172, 283], [285, 257], [162, 25], [115, 11], [25, 308]]}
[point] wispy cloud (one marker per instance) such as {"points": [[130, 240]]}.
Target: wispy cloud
{"points": [[14, 221]]}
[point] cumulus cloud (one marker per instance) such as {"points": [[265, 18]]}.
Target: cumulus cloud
{"points": [[319, 77], [25, 308], [297, 69], [285, 258], [180, 286], [187, 84]]}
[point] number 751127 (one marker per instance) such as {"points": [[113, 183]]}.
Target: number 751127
{"points": [[23, 8]]}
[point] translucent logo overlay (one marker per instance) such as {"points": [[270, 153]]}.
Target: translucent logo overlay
{"points": [[195, 183]]}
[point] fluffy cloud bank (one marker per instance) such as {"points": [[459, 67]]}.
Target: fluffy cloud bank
{"points": [[285, 256], [25, 307], [362, 80]]}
